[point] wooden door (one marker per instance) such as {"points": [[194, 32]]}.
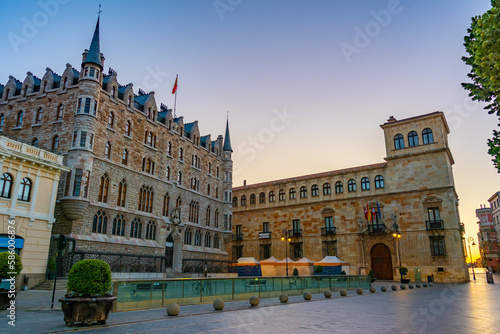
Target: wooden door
{"points": [[381, 262]]}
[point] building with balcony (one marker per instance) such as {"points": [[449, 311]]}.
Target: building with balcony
{"points": [[494, 201], [352, 213], [487, 236], [141, 181]]}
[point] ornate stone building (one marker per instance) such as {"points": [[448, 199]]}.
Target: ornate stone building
{"points": [[142, 181], [358, 213]]}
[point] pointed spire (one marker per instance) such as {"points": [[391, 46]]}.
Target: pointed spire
{"points": [[227, 140], [94, 54]]}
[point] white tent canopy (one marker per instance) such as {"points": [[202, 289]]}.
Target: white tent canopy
{"points": [[268, 266], [272, 259], [248, 260], [330, 259]]}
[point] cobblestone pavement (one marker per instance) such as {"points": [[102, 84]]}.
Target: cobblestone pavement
{"points": [[443, 308]]}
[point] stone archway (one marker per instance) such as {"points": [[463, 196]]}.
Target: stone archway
{"points": [[381, 262]]}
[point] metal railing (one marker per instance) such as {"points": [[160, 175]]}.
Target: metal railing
{"points": [[434, 224], [265, 235], [238, 237], [127, 263], [329, 230], [295, 233], [213, 266], [376, 228]]}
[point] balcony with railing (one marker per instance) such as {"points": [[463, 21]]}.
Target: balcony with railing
{"points": [[376, 228], [238, 237], [295, 233], [329, 230], [434, 224]]}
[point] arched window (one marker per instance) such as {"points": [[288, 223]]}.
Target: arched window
{"points": [[399, 141], [412, 139], [427, 136], [128, 126], [146, 199], [187, 236], [365, 183], [151, 230], [209, 188], [216, 218], [282, 195], [327, 190], [351, 185], [122, 193], [197, 238], [216, 241], [113, 91], [125, 157], [216, 192], [272, 196], [111, 119], [19, 120], [24, 190], [136, 228], [235, 202], [55, 143], [2, 121], [179, 177], [243, 200], [107, 150], [252, 199], [60, 112], [194, 212], [262, 198], [292, 194], [34, 142], [209, 214], [103, 189], [178, 203], [303, 192], [207, 240], [99, 223], [181, 153], [39, 114], [339, 187], [379, 182], [118, 226], [5, 185], [169, 148], [166, 204], [314, 190], [167, 173]]}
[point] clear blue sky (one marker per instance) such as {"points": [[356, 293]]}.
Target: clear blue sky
{"points": [[257, 59]]}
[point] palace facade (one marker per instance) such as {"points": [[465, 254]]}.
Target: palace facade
{"points": [[142, 181], [402, 212]]}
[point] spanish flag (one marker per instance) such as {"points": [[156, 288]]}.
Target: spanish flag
{"points": [[175, 85], [369, 214]]}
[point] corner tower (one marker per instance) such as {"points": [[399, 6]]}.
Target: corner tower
{"points": [[227, 166]]}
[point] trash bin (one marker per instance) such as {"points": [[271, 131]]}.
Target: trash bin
{"points": [[489, 277]]}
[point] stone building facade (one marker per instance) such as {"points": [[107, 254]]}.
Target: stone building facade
{"points": [[487, 237], [29, 177], [142, 181], [358, 213]]}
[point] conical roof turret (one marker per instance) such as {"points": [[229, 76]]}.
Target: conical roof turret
{"points": [[227, 140], [94, 53]]}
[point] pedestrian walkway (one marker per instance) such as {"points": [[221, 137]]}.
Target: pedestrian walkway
{"points": [[457, 308]]}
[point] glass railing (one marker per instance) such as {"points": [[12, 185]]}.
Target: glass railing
{"points": [[133, 295]]}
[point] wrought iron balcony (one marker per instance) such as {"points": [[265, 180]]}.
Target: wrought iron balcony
{"points": [[265, 235], [295, 233], [376, 228], [434, 224], [329, 230], [238, 237]]}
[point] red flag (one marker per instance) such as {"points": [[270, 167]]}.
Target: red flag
{"points": [[175, 85], [366, 212]]}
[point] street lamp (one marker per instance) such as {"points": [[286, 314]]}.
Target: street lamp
{"points": [[397, 235], [285, 236], [470, 254]]}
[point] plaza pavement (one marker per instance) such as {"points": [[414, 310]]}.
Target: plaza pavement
{"points": [[443, 308]]}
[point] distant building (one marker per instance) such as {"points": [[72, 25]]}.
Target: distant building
{"points": [[141, 180], [411, 193], [494, 201], [28, 188], [488, 242]]}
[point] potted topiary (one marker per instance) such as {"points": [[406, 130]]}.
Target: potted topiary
{"points": [[89, 301], [295, 272], [318, 270], [10, 267], [404, 271], [372, 275]]}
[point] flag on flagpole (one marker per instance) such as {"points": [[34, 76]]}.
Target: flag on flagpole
{"points": [[373, 214], [378, 209], [369, 213], [174, 90], [366, 212]]}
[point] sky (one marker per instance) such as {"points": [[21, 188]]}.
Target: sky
{"points": [[306, 84]]}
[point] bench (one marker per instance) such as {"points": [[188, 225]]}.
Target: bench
{"points": [[255, 283]]}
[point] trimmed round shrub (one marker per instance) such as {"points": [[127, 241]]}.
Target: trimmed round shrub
{"points": [[254, 300], [218, 304], [343, 292], [327, 293], [359, 291], [410, 286], [402, 286], [383, 288], [173, 309], [372, 289], [295, 272], [5, 267], [318, 269], [307, 295], [284, 298], [90, 277], [394, 287]]}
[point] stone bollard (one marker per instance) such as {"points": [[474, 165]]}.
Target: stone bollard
{"points": [[218, 304], [424, 285], [343, 292], [284, 298], [254, 300], [327, 293], [173, 309], [410, 286], [394, 287], [372, 289], [417, 285], [383, 288], [402, 286], [359, 291], [431, 284], [307, 295]]}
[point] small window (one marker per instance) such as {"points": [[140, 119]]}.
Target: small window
{"points": [[125, 157], [5, 185], [2, 121], [169, 152], [127, 128], [262, 198], [60, 112], [272, 197], [87, 105], [118, 226], [339, 187], [34, 142], [179, 177], [92, 72], [252, 199], [351, 185], [282, 195], [151, 230], [243, 200], [55, 143], [111, 120], [77, 184], [91, 140], [365, 183], [83, 139], [99, 223], [136, 228], [399, 141], [303, 192], [235, 202], [437, 246], [79, 108], [181, 153], [103, 189], [427, 136], [107, 150], [315, 190], [113, 91], [412, 139], [327, 190], [75, 137], [122, 193], [292, 194], [39, 114], [19, 120], [24, 190], [379, 182]]}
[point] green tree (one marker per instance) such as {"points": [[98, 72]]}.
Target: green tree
{"points": [[483, 46]]}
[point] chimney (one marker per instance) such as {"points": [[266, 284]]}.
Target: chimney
{"points": [[244, 183]]}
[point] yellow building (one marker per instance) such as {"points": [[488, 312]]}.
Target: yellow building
{"points": [[411, 195], [28, 188]]}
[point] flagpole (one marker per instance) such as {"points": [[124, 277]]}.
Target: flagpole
{"points": [[175, 98]]}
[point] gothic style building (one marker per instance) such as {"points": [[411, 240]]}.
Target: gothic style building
{"points": [[142, 181], [402, 212]]}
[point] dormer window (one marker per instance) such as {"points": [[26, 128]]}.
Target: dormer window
{"points": [[25, 90], [92, 72], [65, 84], [129, 103], [113, 91], [44, 90]]}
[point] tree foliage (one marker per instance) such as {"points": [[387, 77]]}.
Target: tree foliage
{"points": [[10, 265], [483, 46]]}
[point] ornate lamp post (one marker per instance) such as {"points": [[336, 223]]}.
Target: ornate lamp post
{"points": [[397, 235], [470, 254], [285, 237]]}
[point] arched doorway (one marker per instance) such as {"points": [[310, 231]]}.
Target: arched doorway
{"points": [[381, 262]]}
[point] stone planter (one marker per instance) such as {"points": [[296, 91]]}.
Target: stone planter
{"points": [[86, 310]]}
